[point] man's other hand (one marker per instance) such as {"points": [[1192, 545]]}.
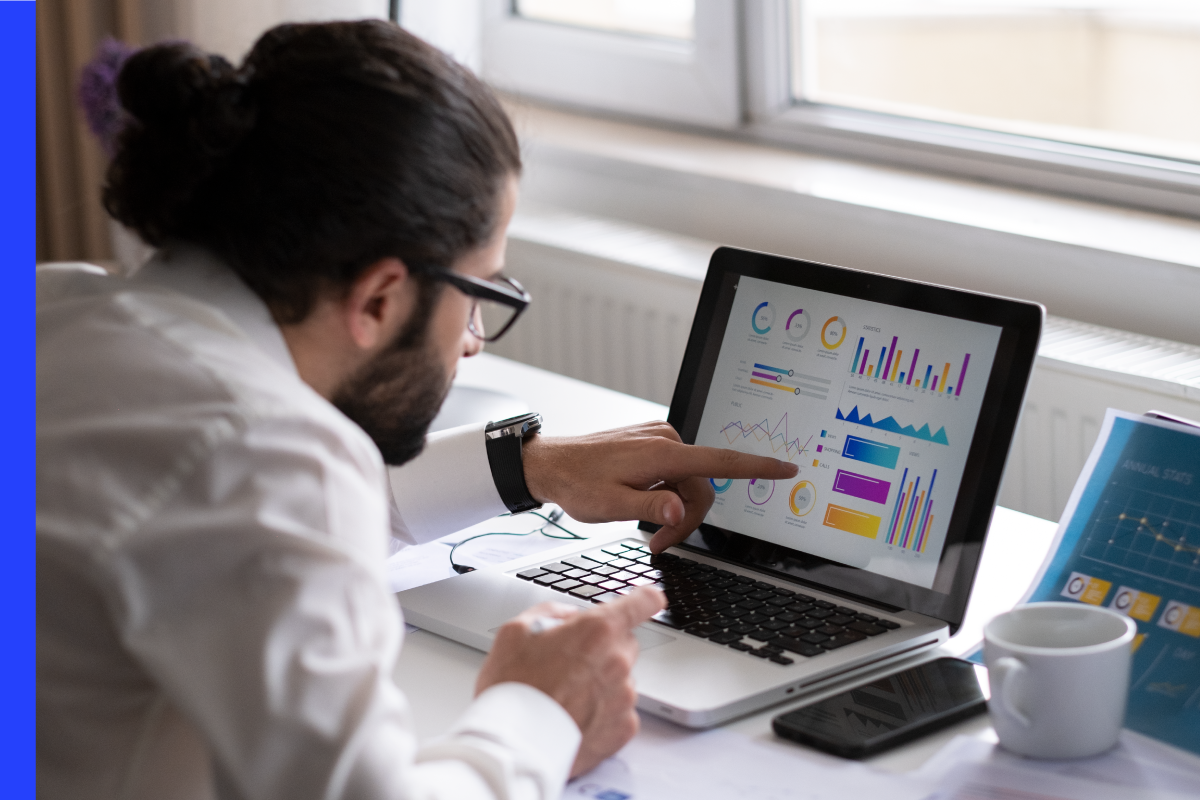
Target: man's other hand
{"points": [[584, 664], [641, 472]]}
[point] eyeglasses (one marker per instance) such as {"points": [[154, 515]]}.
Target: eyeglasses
{"points": [[497, 304]]}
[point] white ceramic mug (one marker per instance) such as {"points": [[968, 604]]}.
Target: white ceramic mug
{"points": [[1059, 675]]}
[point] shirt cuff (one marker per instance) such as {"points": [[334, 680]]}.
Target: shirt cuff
{"points": [[446, 488], [520, 741]]}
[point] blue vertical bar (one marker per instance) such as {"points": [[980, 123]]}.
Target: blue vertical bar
{"points": [[879, 366], [925, 514], [928, 370], [896, 509], [854, 366]]}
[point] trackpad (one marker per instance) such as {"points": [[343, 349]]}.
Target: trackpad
{"points": [[647, 638]]}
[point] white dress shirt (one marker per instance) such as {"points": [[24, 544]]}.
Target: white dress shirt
{"points": [[213, 614]]}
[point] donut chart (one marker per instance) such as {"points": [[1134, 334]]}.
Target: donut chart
{"points": [[797, 325], [721, 488], [833, 333], [763, 319], [802, 498], [760, 491]]}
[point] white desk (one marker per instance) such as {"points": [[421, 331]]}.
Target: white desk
{"points": [[438, 675]]}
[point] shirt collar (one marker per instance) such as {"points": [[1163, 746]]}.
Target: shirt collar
{"points": [[199, 274]]}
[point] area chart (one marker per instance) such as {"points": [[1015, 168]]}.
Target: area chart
{"points": [[889, 424]]}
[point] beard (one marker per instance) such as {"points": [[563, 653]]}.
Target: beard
{"points": [[396, 395]]}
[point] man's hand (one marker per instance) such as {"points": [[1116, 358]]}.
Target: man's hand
{"points": [[584, 664], [642, 472]]}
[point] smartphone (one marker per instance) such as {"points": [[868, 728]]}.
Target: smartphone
{"points": [[889, 711]]}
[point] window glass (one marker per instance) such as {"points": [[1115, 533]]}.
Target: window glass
{"points": [[1123, 74], [673, 19]]}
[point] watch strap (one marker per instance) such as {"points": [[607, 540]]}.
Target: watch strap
{"points": [[508, 473]]}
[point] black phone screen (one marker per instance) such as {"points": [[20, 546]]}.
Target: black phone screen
{"points": [[890, 710]]}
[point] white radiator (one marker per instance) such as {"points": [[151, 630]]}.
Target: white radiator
{"points": [[614, 303]]}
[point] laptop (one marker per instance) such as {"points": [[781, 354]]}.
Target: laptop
{"points": [[896, 399]]}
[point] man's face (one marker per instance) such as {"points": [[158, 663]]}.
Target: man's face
{"points": [[396, 395]]}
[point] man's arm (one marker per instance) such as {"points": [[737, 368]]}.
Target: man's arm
{"points": [[641, 472]]}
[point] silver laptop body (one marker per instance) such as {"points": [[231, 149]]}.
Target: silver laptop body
{"points": [[869, 559]]}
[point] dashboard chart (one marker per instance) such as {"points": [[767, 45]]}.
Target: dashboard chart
{"points": [[877, 406]]}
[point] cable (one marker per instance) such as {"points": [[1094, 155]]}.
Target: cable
{"points": [[552, 519]]}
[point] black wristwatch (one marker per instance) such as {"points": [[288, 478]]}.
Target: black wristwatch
{"points": [[504, 440]]}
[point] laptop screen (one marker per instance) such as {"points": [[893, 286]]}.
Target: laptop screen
{"points": [[896, 399], [876, 405]]}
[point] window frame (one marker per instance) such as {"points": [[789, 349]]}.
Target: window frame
{"points": [[1095, 173], [697, 82]]}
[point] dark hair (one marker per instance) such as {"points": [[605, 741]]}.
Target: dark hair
{"points": [[333, 146]]}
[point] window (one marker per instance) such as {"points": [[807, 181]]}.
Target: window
{"points": [[1094, 98]]}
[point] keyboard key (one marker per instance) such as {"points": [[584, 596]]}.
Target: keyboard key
{"points": [[800, 648], [672, 619], [741, 646], [639, 568], [736, 612], [820, 613], [753, 618], [759, 653], [762, 636], [567, 584], [640, 581], [611, 585], [800, 608], [605, 570], [762, 594], [593, 579], [623, 575], [599, 556], [866, 617], [547, 578], [772, 649], [613, 550], [743, 628], [839, 619], [774, 625], [887, 623], [607, 597], [787, 616], [722, 622], [575, 573], [830, 630], [750, 605], [778, 659], [784, 592], [557, 566], [850, 612], [636, 546], [804, 598], [843, 639], [725, 637], [586, 592], [530, 574], [814, 638], [579, 563], [722, 583], [810, 623], [701, 629], [867, 628], [779, 601], [741, 589], [823, 604]]}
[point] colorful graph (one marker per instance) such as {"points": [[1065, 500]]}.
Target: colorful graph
{"points": [[863, 487], [797, 325], [777, 438], [851, 521], [889, 424], [887, 367], [722, 487], [803, 498], [789, 380], [870, 451], [763, 319], [760, 491], [912, 514], [833, 333]]}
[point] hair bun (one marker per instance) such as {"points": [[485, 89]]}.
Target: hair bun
{"points": [[188, 109]]}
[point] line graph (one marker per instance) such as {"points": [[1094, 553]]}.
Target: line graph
{"points": [[1147, 534], [777, 439]]}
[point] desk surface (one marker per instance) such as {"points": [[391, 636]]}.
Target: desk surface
{"points": [[438, 675]]}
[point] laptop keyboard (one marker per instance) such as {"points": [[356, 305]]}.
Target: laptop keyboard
{"points": [[755, 617]]}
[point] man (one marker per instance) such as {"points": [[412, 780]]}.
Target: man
{"points": [[213, 506]]}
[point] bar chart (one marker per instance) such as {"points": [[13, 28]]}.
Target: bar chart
{"points": [[890, 425], [777, 437], [888, 365], [912, 514]]}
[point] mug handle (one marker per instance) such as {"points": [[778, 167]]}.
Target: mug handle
{"points": [[1008, 672]]}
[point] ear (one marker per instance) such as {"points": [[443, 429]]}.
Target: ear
{"points": [[379, 302]]}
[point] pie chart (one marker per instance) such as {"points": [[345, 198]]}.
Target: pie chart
{"points": [[803, 498], [760, 491]]}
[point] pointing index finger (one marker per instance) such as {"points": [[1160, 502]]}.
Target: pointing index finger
{"points": [[636, 607], [714, 462]]}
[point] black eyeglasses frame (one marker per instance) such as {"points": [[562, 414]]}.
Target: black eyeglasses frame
{"points": [[512, 295]]}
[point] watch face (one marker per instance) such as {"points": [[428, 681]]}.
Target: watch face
{"points": [[531, 423]]}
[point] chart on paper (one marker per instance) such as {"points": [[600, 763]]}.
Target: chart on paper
{"points": [[877, 407]]}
